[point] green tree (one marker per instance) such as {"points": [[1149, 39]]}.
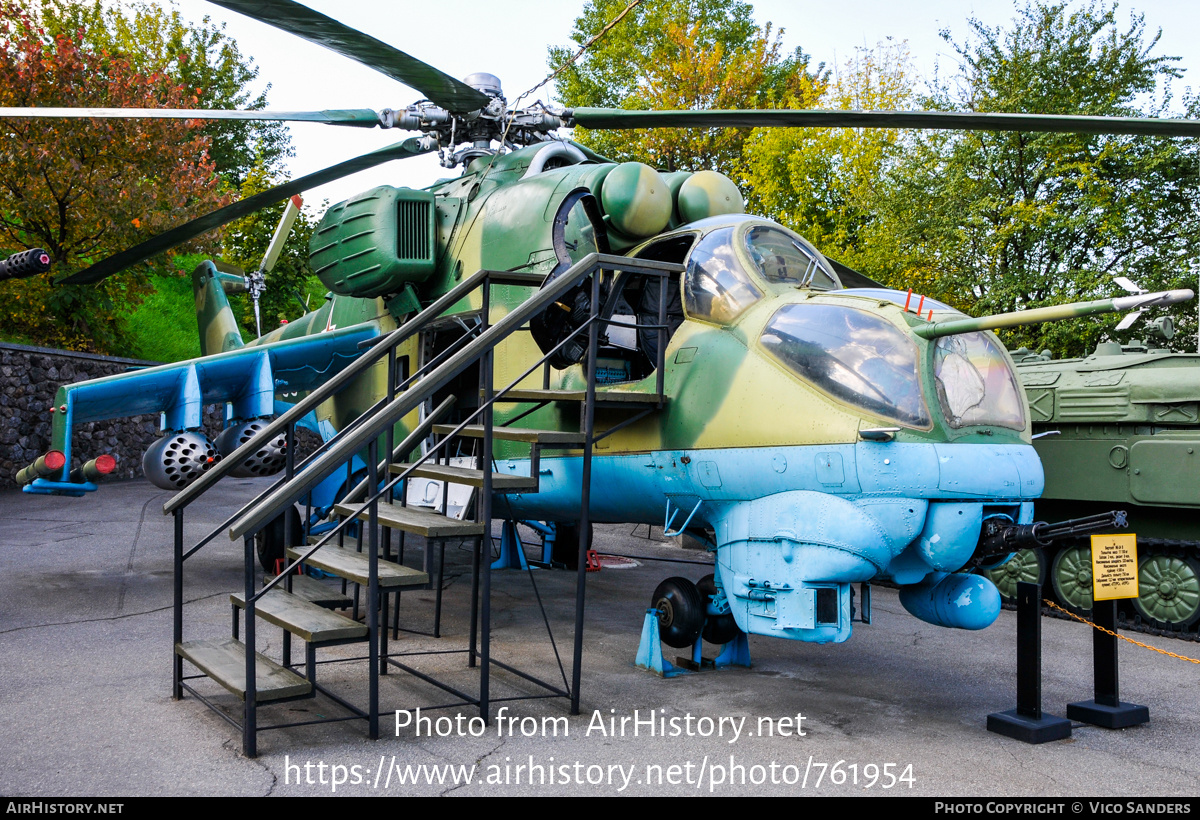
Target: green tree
{"points": [[199, 56], [86, 189], [679, 54], [830, 184], [1018, 220]]}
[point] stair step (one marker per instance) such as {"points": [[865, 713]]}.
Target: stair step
{"points": [[624, 398], [418, 520], [224, 660], [501, 482], [318, 592], [524, 434], [308, 621], [353, 566]]}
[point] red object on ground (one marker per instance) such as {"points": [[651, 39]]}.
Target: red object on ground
{"points": [[105, 464], [55, 460]]}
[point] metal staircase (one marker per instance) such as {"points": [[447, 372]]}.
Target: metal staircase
{"points": [[375, 509]]}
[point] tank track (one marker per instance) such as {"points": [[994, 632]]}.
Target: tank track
{"points": [[1127, 619]]}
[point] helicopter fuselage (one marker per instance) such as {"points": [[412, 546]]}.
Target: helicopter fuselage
{"points": [[805, 430]]}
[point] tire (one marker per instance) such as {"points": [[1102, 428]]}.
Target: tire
{"points": [[680, 612], [1028, 566], [1169, 587], [718, 629], [1071, 577], [269, 540]]}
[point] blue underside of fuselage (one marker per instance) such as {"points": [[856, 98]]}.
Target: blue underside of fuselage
{"points": [[637, 487], [792, 521]]}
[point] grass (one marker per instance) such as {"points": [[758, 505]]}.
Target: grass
{"points": [[163, 327]]}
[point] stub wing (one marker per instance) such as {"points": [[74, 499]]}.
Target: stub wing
{"points": [[246, 379]]}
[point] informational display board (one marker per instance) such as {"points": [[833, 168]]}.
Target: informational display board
{"points": [[1114, 567]]}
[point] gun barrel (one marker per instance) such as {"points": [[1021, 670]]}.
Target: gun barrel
{"points": [[1001, 539], [24, 264]]}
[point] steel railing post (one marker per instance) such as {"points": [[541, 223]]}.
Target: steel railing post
{"points": [[585, 493], [177, 626], [250, 725]]}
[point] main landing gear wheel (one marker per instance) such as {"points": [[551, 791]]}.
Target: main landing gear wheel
{"points": [[269, 540], [1026, 566], [680, 612], [1169, 588], [1071, 576], [718, 629]]}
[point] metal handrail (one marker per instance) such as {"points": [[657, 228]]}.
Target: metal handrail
{"points": [[406, 402], [326, 444], [420, 432], [312, 400], [410, 466]]}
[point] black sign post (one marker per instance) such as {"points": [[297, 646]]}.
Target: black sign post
{"points": [[1027, 722], [1106, 708]]}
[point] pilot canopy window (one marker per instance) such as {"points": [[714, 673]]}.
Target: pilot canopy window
{"points": [[974, 383], [783, 260], [716, 288], [858, 358]]}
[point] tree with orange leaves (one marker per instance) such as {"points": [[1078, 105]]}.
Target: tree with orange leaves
{"points": [[687, 54], [84, 189]]}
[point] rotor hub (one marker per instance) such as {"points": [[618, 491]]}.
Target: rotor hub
{"points": [[486, 83]]}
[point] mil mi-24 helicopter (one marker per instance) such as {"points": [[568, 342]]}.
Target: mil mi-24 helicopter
{"points": [[818, 435]]}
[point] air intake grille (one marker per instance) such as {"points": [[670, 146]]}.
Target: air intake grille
{"points": [[412, 230]]}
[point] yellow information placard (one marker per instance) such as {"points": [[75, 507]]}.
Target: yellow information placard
{"points": [[1114, 567]]}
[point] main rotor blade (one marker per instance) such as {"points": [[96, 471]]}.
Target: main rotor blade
{"points": [[451, 94], [215, 219], [361, 117], [617, 119]]}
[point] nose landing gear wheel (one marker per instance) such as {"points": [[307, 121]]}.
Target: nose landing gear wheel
{"points": [[680, 612], [718, 629]]}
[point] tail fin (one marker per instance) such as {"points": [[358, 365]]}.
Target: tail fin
{"points": [[218, 328]]}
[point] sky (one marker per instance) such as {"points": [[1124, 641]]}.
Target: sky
{"points": [[510, 40]]}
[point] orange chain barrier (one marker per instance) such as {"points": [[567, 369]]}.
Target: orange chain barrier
{"points": [[1082, 620]]}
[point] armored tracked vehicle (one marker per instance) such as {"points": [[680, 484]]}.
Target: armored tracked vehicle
{"points": [[1119, 428]]}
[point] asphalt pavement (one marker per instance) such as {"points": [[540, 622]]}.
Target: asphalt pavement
{"points": [[899, 709]]}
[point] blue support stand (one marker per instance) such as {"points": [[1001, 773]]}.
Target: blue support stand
{"points": [[734, 653], [650, 656], [512, 552], [548, 533]]}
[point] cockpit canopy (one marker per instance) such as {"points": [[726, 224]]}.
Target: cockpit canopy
{"points": [[859, 358], [732, 267]]}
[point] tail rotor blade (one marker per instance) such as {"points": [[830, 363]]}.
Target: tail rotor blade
{"points": [[215, 219]]}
